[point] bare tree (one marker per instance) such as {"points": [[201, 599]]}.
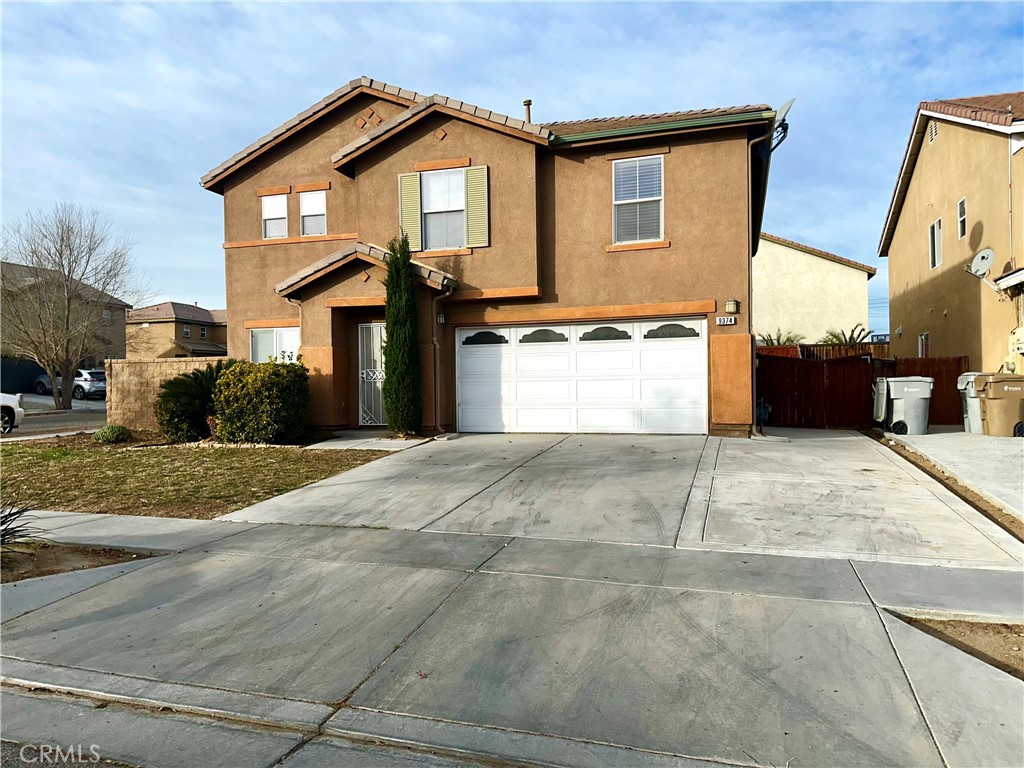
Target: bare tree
{"points": [[64, 273]]}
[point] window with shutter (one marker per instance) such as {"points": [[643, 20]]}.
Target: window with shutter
{"points": [[443, 200], [477, 208], [409, 209], [638, 199]]}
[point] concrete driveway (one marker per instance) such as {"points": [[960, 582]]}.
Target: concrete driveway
{"points": [[548, 600]]}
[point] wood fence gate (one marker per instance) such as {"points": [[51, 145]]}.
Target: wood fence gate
{"points": [[822, 394]]}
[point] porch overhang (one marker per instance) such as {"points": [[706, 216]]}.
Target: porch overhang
{"points": [[365, 252]]}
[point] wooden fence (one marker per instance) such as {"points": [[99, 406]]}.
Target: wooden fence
{"points": [[835, 351], [946, 407]]}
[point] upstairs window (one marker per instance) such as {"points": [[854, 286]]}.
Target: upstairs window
{"points": [[637, 199], [443, 195], [202, 331], [275, 216], [935, 244], [186, 331], [313, 213], [961, 219]]}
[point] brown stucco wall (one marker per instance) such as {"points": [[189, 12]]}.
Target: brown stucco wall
{"points": [[157, 340], [132, 387], [961, 315]]}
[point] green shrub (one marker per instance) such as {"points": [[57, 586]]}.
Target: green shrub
{"points": [[184, 405], [261, 402], [402, 405], [112, 433]]}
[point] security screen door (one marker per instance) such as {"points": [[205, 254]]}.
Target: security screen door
{"points": [[371, 375]]}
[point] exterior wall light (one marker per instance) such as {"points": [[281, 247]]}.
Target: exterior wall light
{"points": [[732, 306], [440, 318]]}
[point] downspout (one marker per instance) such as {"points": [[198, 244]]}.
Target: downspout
{"points": [[437, 356], [750, 273]]}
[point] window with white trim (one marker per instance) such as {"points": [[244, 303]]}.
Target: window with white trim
{"points": [[280, 344], [186, 330], [637, 199], [961, 219], [275, 216], [202, 331], [443, 196], [313, 213], [935, 244]]}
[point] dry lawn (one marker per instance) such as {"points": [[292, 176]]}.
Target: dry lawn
{"points": [[78, 475]]}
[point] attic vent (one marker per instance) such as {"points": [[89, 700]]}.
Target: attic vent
{"points": [[933, 131], [368, 117]]}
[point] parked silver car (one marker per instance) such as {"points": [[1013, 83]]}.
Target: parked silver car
{"points": [[11, 412], [88, 383]]}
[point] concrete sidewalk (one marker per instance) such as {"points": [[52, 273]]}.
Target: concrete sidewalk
{"points": [[992, 467]]}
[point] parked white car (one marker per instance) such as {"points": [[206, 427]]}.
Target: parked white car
{"points": [[11, 412], [88, 383]]}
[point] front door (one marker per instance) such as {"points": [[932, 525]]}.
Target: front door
{"points": [[371, 375]]}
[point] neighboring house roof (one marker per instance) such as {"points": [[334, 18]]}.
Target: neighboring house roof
{"points": [[368, 252], [600, 124], [17, 275], [173, 310], [871, 271], [436, 103], [1001, 112], [304, 118], [208, 347]]}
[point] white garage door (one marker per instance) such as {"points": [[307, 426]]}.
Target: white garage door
{"points": [[634, 376]]}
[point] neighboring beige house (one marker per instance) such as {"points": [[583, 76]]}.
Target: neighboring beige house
{"points": [[172, 329], [583, 276], [807, 291], [960, 190]]}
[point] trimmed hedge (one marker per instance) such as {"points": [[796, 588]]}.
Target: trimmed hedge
{"points": [[184, 406], [261, 402], [112, 433], [402, 405]]}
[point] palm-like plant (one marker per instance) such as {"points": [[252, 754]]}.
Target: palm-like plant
{"points": [[14, 527], [856, 335], [780, 339], [184, 405]]}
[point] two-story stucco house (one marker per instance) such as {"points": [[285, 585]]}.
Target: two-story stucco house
{"points": [[174, 329], [807, 291], [960, 190], [588, 276]]}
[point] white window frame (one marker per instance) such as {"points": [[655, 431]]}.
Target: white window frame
{"points": [[278, 351], [660, 199], [202, 331], [186, 330], [263, 209], [303, 198], [935, 244], [424, 211], [961, 218], [924, 345]]}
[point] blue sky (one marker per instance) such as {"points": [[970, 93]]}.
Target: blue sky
{"points": [[125, 106]]}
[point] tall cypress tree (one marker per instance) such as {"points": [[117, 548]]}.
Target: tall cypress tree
{"points": [[402, 404]]}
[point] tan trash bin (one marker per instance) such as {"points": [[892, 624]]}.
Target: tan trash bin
{"points": [[1002, 404]]}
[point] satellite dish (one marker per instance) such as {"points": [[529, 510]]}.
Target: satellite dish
{"points": [[780, 116], [780, 130], [982, 263]]}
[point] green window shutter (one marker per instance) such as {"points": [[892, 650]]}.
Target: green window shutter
{"points": [[409, 219], [477, 223]]}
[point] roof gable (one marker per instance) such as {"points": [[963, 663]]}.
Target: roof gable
{"points": [[367, 252], [444, 105], [811, 251], [1002, 112], [326, 105]]}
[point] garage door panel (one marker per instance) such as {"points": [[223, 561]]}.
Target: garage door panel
{"points": [[607, 389], [635, 376]]}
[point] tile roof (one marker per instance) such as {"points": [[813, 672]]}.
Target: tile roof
{"points": [[21, 275], [307, 115], [173, 310], [998, 109], [871, 271], [375, 253], [1003, 110], [438, 100], [573, 127], [208, 347]]}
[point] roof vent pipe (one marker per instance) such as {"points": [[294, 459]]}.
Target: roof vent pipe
{"points": [[528, 103]]}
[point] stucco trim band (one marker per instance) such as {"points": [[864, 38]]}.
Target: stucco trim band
{"points": [[638, 246], [442, 165], [448, 252], [288, 322], [292, 240], [357, 301], [528, 292], [641, 152], [313, 186], [284, 189], [491, 316]]}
